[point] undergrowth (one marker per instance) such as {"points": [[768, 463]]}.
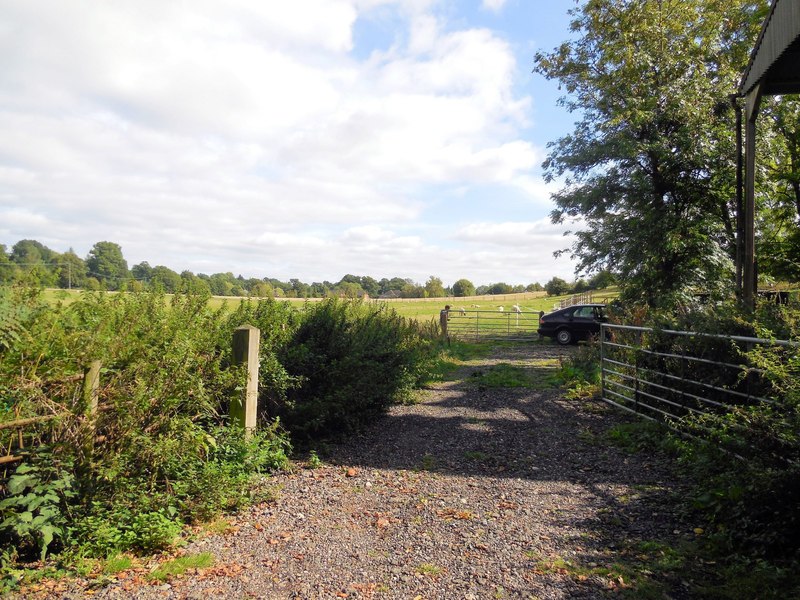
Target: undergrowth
{"points": [[161, 451]]}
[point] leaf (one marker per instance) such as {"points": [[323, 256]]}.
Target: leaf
{"points": [[18, 484]]}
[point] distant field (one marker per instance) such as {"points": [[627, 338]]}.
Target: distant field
{"points": [[416, 308]]}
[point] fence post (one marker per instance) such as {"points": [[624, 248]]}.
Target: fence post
{"points": [[244, 409], [91, 386], [603, 331], [91, 389], [444, 315]]}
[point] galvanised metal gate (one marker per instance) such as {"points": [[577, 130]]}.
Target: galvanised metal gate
{"points": [[671, 376], [477, 325]]}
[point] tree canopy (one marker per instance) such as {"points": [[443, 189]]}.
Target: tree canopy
{"points": [[650, 166]]}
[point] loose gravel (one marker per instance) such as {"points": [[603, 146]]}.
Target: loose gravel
{"points": [[473, 493]]}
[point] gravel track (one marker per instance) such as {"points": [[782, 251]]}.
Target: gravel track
{"points": [[473, 493]]}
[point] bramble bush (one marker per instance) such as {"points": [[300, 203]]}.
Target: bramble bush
{"points": [[166, 453], [351, 360]]}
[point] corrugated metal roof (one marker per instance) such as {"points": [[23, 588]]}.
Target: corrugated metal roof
{"points": [[776, 56]]}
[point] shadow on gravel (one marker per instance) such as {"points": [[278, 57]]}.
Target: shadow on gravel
{"points": [[465, 431]]}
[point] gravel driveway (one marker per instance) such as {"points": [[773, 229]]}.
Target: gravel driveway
{"points": [[476, 492]]}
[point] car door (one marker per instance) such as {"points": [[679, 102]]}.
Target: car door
{"points": [[583, 321]]}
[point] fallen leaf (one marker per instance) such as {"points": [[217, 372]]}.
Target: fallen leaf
{"points": [[351, 472]]}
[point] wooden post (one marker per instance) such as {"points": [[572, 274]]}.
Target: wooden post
{"points": [[443, 316], [246, 341], [749, 281], [91, 385], [91, 388]]}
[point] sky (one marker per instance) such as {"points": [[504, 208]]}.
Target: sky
{"points": [[302, 139]]}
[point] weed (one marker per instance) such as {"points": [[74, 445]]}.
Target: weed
{"points": [[34, 511], [180, 565], [314, 461], [117, 563], [428, 569], [428, 463], [219, 526], [503, 375], [476, 455]]}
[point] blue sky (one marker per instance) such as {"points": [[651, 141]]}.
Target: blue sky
{"points": [[307, 139]]}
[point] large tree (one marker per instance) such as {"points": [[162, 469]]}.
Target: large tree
{"points": [[434, 287], [650, 166], [106, 264], [463, 287]]}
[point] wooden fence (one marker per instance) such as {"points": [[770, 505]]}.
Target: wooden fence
{"points": [[243, 411]]}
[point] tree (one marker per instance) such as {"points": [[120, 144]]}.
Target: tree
{"points": [[71, 270], [7, 268], [434, 287], [106, 264], [35, 261], [601, 280], [142, 272], [166, 279], [194, 284], [778, 244], [580, 286], [349, 289], [500, 288], [654, 149], [534, 287], [556, 287], [261, 290], [463, 287], [221, 284]]}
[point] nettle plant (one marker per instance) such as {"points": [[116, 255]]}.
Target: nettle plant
{"points": [[36, 508]]}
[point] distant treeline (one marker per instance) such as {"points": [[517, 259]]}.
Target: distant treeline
{"points": [[105, 267]]}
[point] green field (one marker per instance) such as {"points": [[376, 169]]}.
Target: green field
{"points": [[421, 309]]}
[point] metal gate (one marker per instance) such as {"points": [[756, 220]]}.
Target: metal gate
{"points": [[477, 325], [671, 376]]}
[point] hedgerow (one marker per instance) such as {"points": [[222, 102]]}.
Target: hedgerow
{"points": [[351, 360], [165, 452], [161, 451]]}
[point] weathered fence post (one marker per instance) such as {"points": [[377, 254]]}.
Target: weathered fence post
{"points": [[91, 390], [444, 315], [246, 342], [91, 386]]}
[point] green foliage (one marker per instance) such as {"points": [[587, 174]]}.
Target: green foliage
{"points": [[463, 287], [653, 148], [744, 475], [35, 508], [502, 375], [180, 565], [579, 372], [557, 287], [354, 360], [168, 455], [106, 263]]}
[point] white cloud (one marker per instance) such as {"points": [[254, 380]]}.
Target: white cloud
{"points": [[493, 5], [197, 135]]}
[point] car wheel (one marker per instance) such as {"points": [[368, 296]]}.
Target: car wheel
{"points": [[564, 337]]}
